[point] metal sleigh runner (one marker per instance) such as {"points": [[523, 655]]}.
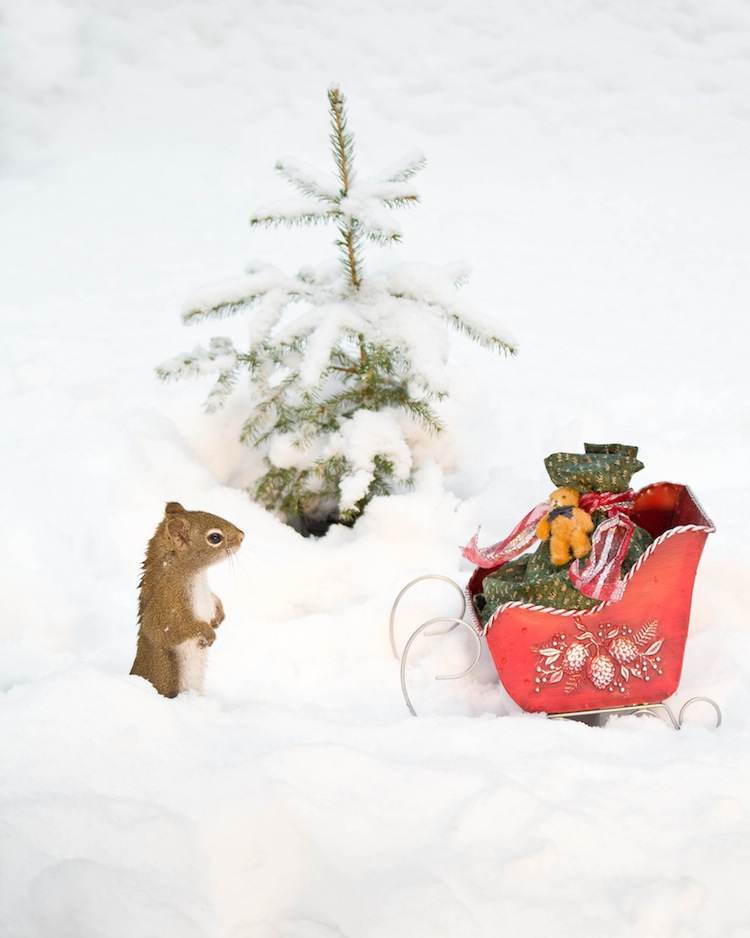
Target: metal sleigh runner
{"points": [[595, 620]]}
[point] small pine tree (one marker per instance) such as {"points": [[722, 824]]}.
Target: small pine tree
{"points": [[340, 363]]}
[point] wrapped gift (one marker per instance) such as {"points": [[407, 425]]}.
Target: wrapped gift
{"points": [[601, 476]]}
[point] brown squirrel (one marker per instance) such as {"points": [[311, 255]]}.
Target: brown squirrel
{"points": [[177, 612]]}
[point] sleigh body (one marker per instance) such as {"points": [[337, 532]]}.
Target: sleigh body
{"points": [[617, 654]]}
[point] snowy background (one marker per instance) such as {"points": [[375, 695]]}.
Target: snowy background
{"points": [[589, 160]]}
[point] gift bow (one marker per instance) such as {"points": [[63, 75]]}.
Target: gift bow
{"points": [[600, 576]]}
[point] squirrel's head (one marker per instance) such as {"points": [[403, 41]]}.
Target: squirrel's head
{"points": [[198, 538]]}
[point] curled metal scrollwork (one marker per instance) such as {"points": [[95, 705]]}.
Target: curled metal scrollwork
{"points": [[693, 700], [651, 709], [440, 677], [405, 590]]}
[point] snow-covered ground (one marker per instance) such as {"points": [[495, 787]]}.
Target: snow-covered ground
{"points": [[589, 160]]}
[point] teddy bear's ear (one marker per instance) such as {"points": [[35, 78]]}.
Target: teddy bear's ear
{"points": [[562, 496]]}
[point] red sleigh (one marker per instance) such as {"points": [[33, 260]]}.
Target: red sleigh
{"points": [[618, 656]]}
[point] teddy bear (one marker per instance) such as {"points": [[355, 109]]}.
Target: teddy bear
{"points": [[566, 526]]}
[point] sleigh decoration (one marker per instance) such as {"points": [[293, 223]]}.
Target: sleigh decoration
{"points": [[618, 655]]}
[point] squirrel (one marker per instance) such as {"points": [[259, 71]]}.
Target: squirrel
{"points": [[177, 612]]}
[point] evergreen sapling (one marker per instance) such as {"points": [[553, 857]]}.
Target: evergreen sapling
{"points": [[341, 364]]}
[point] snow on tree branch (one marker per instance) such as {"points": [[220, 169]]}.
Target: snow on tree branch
{"points": [[409, 165], [228, 297], [221, 355], [368, 215], [289, 212], [345, 367], [308, 179], [425, 283]]}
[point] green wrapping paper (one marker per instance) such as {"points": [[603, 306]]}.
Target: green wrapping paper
{"points": [[533, 578], [606, 467]]}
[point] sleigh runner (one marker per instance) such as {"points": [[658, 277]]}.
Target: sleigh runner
{"points": [[618, 654]]}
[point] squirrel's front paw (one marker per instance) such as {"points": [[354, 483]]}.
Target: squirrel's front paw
{"points": [[207, 636], [218, 613]]}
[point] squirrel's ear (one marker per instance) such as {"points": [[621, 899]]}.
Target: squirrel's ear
{"points": [[177, 530], [172, 508]]}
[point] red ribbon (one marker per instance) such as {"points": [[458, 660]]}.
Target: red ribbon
{"points": [[600, 576], [519, 540]]}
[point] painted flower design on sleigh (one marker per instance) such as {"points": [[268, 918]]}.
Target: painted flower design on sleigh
{"points": [[609, 658]]}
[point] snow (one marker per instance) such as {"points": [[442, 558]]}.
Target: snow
{"points": [[587, 160], [362, 439]]}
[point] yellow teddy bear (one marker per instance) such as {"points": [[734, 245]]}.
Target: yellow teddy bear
{"points": [[566, 526]]}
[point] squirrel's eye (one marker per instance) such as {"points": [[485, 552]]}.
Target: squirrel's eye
{"points": [[214, 538]]}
